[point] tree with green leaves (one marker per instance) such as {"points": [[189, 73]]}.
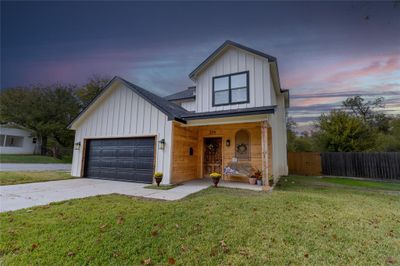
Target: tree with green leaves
{"points": [[93, 87], [43, 110], [340, 131]]}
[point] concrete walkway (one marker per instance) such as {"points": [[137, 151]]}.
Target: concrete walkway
{"points": [[15, 197], [24, 167]]}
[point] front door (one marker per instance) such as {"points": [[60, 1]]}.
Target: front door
{"points": [[212, 156]]}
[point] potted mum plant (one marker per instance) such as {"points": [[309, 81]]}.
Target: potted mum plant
{"points": [[215, 177], [158, 177], [258, 175]]}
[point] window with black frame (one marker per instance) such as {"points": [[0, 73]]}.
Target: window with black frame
{"points": [[231, 89]]}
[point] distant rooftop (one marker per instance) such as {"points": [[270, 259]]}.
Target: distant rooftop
{"points": [[189, 93]]}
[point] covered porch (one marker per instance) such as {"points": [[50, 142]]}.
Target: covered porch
{"points": [[235, 148]]}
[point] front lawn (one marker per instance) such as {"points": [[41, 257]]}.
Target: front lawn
{"points": [[13, 178], [298, 223], [30, 158], [307, 181]]}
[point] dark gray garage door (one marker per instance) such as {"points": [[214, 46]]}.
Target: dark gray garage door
{"points": [[120, 159]]}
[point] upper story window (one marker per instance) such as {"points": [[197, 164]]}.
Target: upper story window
{"points": [[231, 89]]}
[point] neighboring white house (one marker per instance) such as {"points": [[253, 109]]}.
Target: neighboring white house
{"points": [[232, 121], [15, 140]]}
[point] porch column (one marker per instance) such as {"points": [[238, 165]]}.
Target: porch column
{"points": [[264, 147]]}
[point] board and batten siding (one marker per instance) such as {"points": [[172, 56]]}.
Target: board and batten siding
{"points": [[279, 143], [120, 112], [232, 61]]}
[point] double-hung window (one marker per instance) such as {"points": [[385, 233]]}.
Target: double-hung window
{"points": [[231, 89]]}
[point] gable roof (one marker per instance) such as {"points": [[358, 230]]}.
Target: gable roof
{"points": [[189, 93], [173, 111], [222, 47]]}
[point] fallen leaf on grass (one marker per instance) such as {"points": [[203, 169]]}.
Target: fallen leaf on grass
{"points": [[34, 246], [120, 220], [391, 260], [171, 261], [71, 254], [154, 233], [103, 226], [115, 254], [177, 225], [146, 261], [224, 246], [244, 252]]}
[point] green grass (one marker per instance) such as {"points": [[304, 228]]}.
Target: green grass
{"points": [[29, 158], [161, 187], [345, 183], [298, 223], [12, 178]]}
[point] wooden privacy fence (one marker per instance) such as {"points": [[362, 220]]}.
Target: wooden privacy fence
{"points": [[304, 163], [382, 165]]}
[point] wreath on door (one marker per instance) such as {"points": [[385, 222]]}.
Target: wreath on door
{"points": [[241, 148], [211, 147]]}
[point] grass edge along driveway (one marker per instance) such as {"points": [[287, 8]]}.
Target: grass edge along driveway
{"points": [[31, 158], [298, 223], [13, 178]]}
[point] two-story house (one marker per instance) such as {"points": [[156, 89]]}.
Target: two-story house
{"points": [[232, 121]]}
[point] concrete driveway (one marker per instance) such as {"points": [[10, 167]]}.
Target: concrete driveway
{"points": [[22, 167], [15, 197]]}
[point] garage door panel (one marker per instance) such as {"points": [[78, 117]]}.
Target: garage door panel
{"points": [[120, 159]]}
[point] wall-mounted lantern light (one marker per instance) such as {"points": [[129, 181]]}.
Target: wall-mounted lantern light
{"points": [[228, 143], [78, 145], [161, 144]]}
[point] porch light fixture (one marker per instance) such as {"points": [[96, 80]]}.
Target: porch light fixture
{"points": [[78, 145], [161, 144], [228, 143]]}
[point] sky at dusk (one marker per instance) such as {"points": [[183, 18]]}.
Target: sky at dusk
{"points": [[326, 51]]}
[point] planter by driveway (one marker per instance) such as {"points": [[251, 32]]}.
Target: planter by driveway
{"points": [[15, 197], [22, 167]]}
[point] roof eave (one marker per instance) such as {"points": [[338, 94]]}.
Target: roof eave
{"points": [[221, 48]]}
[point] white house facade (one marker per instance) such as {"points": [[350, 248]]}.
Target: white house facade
{"points": [[15, 140], [232, 121]]}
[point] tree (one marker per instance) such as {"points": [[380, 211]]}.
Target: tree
{"points": [[295, 142], [44, 110], [93, 87], [340, 131]]}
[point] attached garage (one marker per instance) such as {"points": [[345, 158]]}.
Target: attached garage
{"points": [[122, 159]]}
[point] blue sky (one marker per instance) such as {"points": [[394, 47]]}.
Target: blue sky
{"points": [[326, 50]]}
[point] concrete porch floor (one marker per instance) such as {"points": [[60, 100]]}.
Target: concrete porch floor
{"points": [[227, 184]]}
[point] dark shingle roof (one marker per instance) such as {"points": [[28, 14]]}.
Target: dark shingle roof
{"points": [[172, 110], [189, 93]]}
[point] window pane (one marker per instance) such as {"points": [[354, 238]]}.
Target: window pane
{"points": [[238, 81], [221, 97], [14, 141], [221, 84], [239, 95]]}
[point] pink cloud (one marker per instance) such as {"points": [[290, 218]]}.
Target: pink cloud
{"points": [[324, 73], [375, 68]]}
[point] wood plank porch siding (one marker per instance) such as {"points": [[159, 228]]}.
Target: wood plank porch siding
{"points": [[186, 167]]}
